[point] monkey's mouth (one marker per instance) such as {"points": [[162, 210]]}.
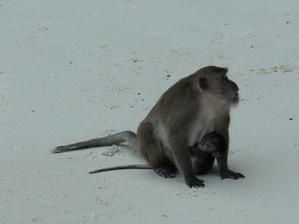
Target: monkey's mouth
{"points": [[235, 98]]}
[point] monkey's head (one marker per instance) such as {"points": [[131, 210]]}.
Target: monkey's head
{"points": [[213, 144], [213, 81]]}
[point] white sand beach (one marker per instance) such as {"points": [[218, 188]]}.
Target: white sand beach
{"points": [[75, 70]]}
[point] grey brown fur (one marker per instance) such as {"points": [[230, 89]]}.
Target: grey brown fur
{"points": [[194, 106]]}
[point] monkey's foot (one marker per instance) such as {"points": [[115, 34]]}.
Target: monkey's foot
{"points": [[166, 172], [229, 174], [194, 182]]}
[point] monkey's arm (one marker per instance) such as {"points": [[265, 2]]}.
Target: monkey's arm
{"points": [[225, 172], [183, 163]]}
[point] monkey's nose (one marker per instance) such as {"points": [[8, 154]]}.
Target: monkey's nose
{"points": [[235, 87]]}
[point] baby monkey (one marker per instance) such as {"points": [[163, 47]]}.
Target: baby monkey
{"points": [[211, 146]]}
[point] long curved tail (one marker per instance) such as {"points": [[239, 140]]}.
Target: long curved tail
{"points": [[121, 137], [127, 167]]}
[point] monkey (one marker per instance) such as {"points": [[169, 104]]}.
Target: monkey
{"points": [[211, 146], [194, 106]]}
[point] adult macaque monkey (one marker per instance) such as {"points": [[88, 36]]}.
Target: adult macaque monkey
{"points": [[194, 106], [202, 155]]}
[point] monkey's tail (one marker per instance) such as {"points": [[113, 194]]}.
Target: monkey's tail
{"points": [[127, 167], [121, 137]]}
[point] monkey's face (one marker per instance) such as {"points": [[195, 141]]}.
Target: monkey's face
{"points": [[213, 144], [211, 148], [230, 91], [220, 87]]}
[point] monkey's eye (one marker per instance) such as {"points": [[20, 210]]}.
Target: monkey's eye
{"points": [[203, 83]]}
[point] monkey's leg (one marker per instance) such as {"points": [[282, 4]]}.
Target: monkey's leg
{"points": [[166, 171], [151, 150]]}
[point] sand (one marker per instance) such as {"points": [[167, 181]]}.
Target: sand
{"points": [[74, 70]]}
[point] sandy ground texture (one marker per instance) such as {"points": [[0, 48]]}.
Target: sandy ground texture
{"points": [[74, 70]]}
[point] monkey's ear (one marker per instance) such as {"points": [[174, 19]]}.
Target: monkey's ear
{"points": [[203, 83]]}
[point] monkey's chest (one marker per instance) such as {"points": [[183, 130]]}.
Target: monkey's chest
{"points": [[200, 127]]}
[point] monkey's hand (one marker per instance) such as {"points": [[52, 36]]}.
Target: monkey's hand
{"points": [[194, 182], [225, 174]]}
